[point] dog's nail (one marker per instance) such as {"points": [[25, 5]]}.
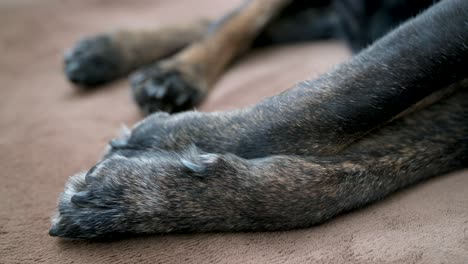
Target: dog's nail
{"points": [[81, 199], [53, 231], [89, 175], [152, 89], [156, 89], [192, 166], [118, 143], [209, 158]]}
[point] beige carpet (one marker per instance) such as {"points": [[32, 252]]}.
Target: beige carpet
{"points": [[49, 131]]}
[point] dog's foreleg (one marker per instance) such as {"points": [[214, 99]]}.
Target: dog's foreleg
{"points": [[324, 116], [193, 191], [423, 56]]}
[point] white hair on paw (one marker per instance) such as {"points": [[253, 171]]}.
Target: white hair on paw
{"points": [[74, 184]]}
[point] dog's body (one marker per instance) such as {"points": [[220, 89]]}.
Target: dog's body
{"points": [[395, 114]]}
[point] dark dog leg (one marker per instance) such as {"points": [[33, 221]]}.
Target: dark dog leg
{"points": [[325, 115], [105, 57], [193, 191]]}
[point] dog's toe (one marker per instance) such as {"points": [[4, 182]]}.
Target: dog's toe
{"points": [[88, 209], [93, 61]]}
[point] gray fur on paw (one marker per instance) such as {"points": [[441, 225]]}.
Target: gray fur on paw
{"points": [[93, 61], [140, 138], [151, 192], [156, 89], [89, 207]]}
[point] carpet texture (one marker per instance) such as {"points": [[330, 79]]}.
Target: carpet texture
{"points": [[49, 130]]}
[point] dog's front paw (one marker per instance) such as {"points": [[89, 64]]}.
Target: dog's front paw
{"points": [[154, 192], [93, 61], [93, 204], [165, 88]]}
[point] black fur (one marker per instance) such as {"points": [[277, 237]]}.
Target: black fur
{"points": [[155, 89]]}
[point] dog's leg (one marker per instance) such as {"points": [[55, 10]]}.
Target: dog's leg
{"points": [[105, 57], [151, 191], [190, 191], [323, 116], [102, 58], [183, 80]]}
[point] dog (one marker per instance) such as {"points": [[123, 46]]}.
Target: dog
{"points": [[395, 114]]}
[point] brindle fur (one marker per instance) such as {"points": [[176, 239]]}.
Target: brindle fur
{"points": [[181, 81], [99, 59], [394, 114]]}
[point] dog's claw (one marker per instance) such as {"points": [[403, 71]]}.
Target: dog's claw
{"points": [[118, 143], [192, 166], [82, 199]]}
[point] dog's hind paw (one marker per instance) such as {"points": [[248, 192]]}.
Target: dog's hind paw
{"points": [[93, 61], [156, 88]]}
